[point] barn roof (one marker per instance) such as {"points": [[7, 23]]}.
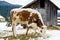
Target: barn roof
{"points": [[56, 2]]}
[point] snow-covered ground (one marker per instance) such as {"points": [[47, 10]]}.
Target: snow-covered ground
{"points": [[52, 34]]}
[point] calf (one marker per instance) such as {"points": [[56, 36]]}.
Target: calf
{"points": [[28, 17]]}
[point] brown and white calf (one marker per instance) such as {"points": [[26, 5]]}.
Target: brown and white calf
{"points": [[27, 16]]}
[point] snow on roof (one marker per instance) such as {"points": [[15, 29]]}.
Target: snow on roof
{"points": [[1, 16], [56, 2]]}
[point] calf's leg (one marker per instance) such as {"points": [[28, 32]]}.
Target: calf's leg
{"points": [[14, 29], [27, 30]]}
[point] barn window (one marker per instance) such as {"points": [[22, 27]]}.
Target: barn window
{"points": [[42, 3]]}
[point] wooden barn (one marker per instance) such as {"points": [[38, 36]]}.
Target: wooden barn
{"points": [[48, 10]]}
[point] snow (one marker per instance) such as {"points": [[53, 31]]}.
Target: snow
{"points": [[56, 2], [3, 26], [58, 10], [51, 34], [1, 16]]}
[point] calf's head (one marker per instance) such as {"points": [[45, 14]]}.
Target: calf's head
{"points": [[35, 18]]}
